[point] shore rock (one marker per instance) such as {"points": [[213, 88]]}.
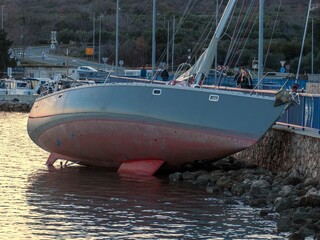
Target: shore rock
{"points": [[15, 106], [294, 199]]}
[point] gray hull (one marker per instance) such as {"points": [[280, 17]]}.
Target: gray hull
{"points": [[106, 125]]}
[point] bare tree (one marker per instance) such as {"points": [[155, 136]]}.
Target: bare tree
{"points": [[83, 37]]}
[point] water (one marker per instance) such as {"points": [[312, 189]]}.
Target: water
{"points": [[86, 203]]}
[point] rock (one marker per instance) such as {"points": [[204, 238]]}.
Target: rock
{"points": [[216, 175], [192, 175], [284, 222], [298, 235], [225, 182], [257, 185], [264, 212], [260, 188], [175, 177], [213, 189], [294, 201], [203, 179], [238, 189], [292, 181], [311, 198], [282, 203], [300, 217], [258, 202], [14, 106], [310, 181], [286, 190]]}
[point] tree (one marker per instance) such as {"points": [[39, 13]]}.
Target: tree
{"points": [[83, 37], [5, 60], [141, 48]]}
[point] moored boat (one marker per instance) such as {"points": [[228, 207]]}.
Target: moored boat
{"points": [[107, 125], [137, 127]]}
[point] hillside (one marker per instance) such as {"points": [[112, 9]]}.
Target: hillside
{"points": [[30, 22]]}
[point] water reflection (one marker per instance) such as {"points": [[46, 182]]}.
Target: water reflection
{"points": [[87, 202]]}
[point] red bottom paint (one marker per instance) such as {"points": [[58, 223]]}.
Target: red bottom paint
{"points": [[116, 144], [140, 167]]}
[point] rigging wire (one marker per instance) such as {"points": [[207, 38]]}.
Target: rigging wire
{"points": [[206, 35], [246, 34], [273, 29], [247, 39], [131, 26], [235, 35], [203, 39], [239, 34], [184, 16]]}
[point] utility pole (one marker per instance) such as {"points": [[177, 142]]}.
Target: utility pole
{"points": [[173, 35], [153, 38], [303, 40], [312, 45], [94, 34], [117, 38], [260, 53], [67, 62], [168, 44], [100, 39], [216, 49]]}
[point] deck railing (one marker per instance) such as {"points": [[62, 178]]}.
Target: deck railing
{"points": [[305, 116]]}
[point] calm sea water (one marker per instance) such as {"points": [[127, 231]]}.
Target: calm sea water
{"points": [[85, 203]]}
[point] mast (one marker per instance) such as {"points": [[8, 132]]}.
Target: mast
{"points": [[216, 49], [93, 34], [202, 66], [100, 39], [303, 40], [153, 38], [173, 36], [117, 38], [260, 52], [168, 44], [312, 57]]}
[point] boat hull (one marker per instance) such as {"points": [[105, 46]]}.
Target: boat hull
{"points": [[106, 125]]}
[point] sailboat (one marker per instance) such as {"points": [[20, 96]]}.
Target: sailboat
{"points": [[138, 127]]}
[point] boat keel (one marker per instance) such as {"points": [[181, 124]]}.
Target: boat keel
{"points": [[140, 167], [53, 157]]}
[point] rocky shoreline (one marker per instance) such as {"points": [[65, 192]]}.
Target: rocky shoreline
{"points": [[15, 106], [292, 198]]}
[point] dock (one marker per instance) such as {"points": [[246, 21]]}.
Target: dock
{"points": [[286, 149]]}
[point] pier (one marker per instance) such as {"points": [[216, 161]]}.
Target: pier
{"points": [[286, 149]]}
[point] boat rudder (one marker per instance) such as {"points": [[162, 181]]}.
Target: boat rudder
{"points": [[146, 167]]}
